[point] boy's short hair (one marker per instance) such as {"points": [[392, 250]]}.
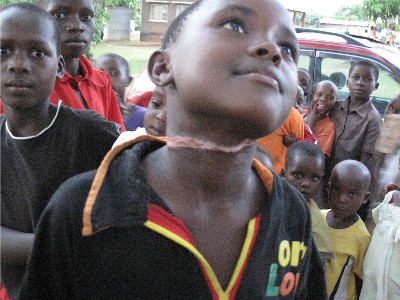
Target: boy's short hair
{"points": [[34, 9], [356, 166], [175, 28], [308, 149], [365, 63], [117, 57], [330, 83]]}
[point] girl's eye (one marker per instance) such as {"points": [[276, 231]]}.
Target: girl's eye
{"points": [[335, 190], [353, 194], [60, 16], [314, 178], [235, 25], [115, 73], [87, 17], [155, 104], [297, 175], [287, 50], [38, 53], [4, 51]]}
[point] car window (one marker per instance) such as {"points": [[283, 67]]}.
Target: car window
{"points": [[335, 67], [336, 70], [304, 62]]}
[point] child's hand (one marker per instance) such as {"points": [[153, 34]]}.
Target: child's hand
{"points": [[314, 114], [391, 187], [289, 139], [396, 198]]}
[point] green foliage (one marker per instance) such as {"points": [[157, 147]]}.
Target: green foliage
{"points": [[352, 13], [118, 3], [312, 20], [386, 10], [8, 2]]}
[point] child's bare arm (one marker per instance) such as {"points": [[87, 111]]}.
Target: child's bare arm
{"points": [[15, 246], [391, 187], [396, 197], [288, 139]]}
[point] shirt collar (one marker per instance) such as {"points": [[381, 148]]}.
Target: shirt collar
{"points": [[361, 110], [88, 73], [99, 213]]}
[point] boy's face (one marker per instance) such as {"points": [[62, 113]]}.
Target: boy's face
{"points": [[303, 79], [393, 106], [76, 20], [305, 174], [155, 118], [236, 61], [324, 98], [299, 100], [362, 82], [118, 73], [346, 193], [29, 61]]}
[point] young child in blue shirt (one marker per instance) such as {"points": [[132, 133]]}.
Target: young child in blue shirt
{"points": [[117, 68]]}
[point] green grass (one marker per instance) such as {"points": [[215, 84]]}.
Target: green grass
{"points": [[136, 53]]}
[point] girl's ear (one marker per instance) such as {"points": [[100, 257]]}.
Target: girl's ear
{"points": [[159, 68], [61, 67]]}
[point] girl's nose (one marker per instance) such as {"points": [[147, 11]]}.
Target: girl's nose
{"points": [[19, 63], [266, 50]]}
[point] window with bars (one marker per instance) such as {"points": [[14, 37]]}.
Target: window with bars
{"points": [[180, 8], [159, 12]]}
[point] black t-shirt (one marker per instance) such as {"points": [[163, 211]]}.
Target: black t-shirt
{"points": [[135, 248], [33, 168]]}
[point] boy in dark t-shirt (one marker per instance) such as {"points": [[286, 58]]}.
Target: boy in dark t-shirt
{"points": [[42, 145], [194, 216]]}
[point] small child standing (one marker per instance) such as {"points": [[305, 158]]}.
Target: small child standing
{"points": [[304, 80], [304, 169], [155, 119], [388, 144], [117, 68], [322, 101], [382, 260], [299, 103], [348, 188]]}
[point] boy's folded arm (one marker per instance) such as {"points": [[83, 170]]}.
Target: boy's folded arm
{"points": [[15, 246]]}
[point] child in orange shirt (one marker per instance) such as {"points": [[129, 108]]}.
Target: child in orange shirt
{"points": [[323, 100]]}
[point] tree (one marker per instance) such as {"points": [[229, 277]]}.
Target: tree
{"points": [[312, 20], [352, 13], [386, 10]]}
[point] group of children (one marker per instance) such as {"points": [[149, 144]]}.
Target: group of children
{"points": [[184, 212]]}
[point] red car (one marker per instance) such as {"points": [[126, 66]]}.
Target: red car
{"points": [[327, 55]]}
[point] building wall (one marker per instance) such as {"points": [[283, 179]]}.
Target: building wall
{"points": [[155, 30], [342, 26]]}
